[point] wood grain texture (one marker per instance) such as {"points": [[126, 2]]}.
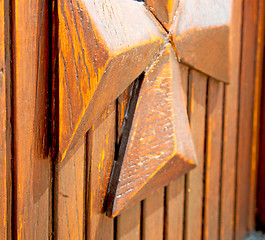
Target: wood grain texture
{"points": [[128, 224], [213, 159], [194, 180], [153, 215], [5, 143], [175, 191], [202, 28], [99, 56], [164, 10], [246, 101], [32, 175], [71, 195], [227, 201], [100, 149], [159, 147]]}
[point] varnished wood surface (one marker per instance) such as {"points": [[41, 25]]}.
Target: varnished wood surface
{"points": [[164, 10], [175, 191], [3, 190], [230, 118], [101, 145], [213, 159], [32, 218], [99, 56], [202, 28], [159, 140], [71, 187], [32, 175], [128, 224], [246, 101], [153, 215], [194, 181], [5, 143]]}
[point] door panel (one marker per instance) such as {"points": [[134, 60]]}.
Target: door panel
{"points": [[65, 199]]}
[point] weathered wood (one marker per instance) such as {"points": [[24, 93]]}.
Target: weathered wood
{"points": [[71, 195], [201, 36], [213, 159], [230, 118], [194, 180], [246, 101], [153, 215], [99, 56], [32, 175], [100, 150], [175, 191], [159, 147], [164, 10]]}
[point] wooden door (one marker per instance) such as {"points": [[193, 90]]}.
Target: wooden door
{"points": [[69, 73]]}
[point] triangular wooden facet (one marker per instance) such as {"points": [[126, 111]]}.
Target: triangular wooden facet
{"points": [[103, 46], [201, 35], [159, 147], [164, 10]]}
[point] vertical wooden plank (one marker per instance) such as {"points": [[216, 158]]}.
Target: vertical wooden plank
{"points": [[71, 185], [128, 223], [32, 166], [153, 216], [174, 212], [3, 165], [194, 183], [230, 118], [255, 197], [5, 109], [213, 159], [246, 117], [100, 150]]}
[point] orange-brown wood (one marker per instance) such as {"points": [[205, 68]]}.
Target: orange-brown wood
{"points": [[175, 191], [213, 159], [101, 145], [194, 180], [71, 195], [153, 215], [246, 102], [201, 36], [5, 141], [164, 10], [227, 201], [32, 175], [3, 177], [27, 108], [160, 146], [99, 56], [128, 223], [256, 201]]}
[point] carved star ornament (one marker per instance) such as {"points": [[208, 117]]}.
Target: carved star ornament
{"points": [[104, 45]]}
